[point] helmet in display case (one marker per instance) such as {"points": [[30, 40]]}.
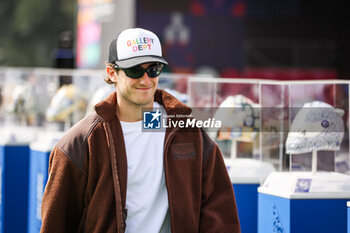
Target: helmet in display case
{"points": [[21, 104], [23, 101], [316, 126], [67, 102], [239, 117]]}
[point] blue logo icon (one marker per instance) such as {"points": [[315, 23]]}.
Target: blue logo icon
{"points": [[152, 120], [303, 186]]}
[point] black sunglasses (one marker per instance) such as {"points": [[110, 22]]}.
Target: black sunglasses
{"points": [[136, 72]]}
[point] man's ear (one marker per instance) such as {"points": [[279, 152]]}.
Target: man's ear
{"points": [[112, 73]]}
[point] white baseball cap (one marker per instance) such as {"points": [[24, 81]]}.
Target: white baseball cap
{"points": [[135, 46]]}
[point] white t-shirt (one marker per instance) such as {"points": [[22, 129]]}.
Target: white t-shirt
{"points": [[146, 197]]}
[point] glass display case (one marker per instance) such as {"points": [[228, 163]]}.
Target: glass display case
{"points": [[306, 135], [25, 97], [318, 138], [274, 116], [306, 129], [236, 103]]}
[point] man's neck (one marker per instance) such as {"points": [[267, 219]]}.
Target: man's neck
{"points": [[131, 112]]}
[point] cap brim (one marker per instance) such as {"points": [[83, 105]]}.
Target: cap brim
{"points": [[127, 63]]}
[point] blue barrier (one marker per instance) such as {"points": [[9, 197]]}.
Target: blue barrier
{"points": [[38, 175], [14, 164], [247, 206]]}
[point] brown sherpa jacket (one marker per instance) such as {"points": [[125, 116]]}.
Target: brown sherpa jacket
{"points": [[84, 194]]}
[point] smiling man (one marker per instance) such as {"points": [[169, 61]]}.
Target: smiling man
{"points": [[108, 175], [134, 93]]}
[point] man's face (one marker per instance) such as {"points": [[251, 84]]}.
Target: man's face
{"points": [[139, 92]]}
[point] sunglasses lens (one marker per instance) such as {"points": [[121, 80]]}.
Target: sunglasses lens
{"points": [[134, 72], [154, 71], [137, 71]]}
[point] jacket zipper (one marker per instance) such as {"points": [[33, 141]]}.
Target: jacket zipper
{"points": [[118, 199]]}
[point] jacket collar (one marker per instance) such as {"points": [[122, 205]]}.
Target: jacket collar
{"points": [[107, 108]]}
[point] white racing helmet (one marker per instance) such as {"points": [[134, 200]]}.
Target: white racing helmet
{"points": [[316, 126]]}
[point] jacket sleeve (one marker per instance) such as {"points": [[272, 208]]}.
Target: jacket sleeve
{"points": [[218, 208], [63, 202]]}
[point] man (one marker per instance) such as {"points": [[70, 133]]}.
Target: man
{"points": [[108, 175]]}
